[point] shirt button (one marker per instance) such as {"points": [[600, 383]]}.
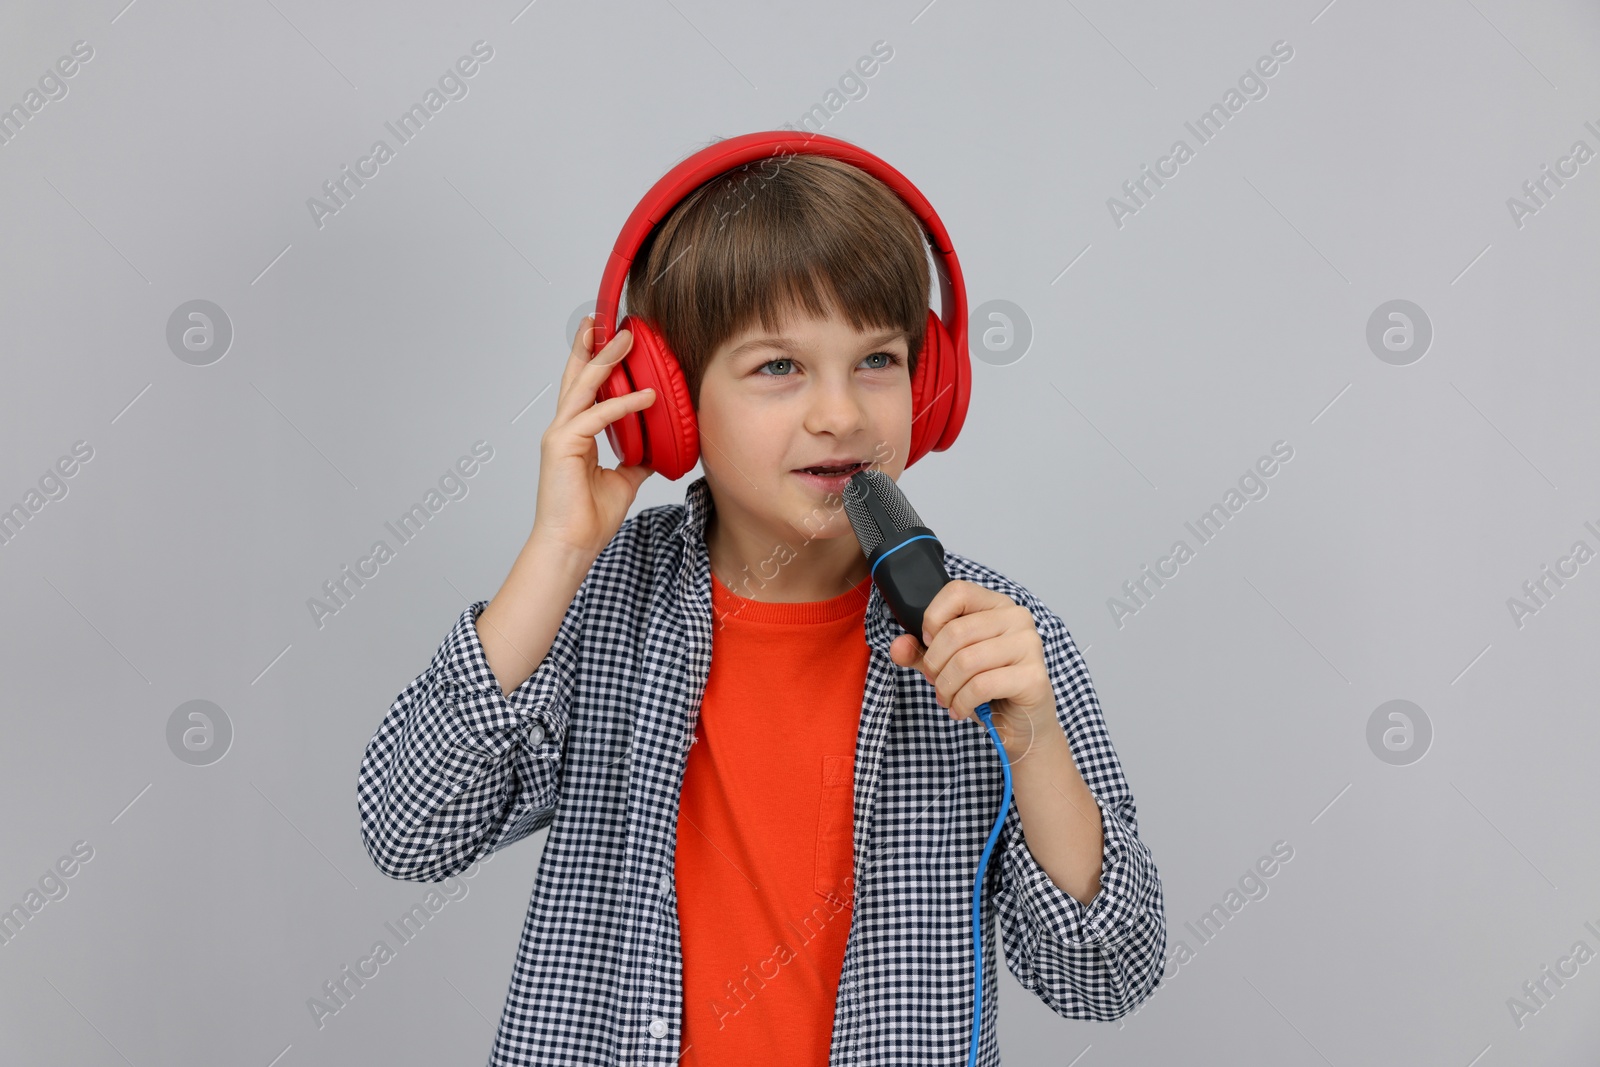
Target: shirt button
{"points": [[658, 1027], [536, 735], [666, 884]]}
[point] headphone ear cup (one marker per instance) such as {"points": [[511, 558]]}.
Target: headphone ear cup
{"points": [[958, 375], [669, 435], [919, 398], [931, 392]]}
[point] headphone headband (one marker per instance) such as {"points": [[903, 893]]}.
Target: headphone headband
{"points": [[734, 152]]}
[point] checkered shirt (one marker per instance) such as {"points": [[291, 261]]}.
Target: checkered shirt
{"points": [[593, 746]]}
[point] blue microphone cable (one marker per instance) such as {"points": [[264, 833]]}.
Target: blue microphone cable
{"points": [[977, 886]]}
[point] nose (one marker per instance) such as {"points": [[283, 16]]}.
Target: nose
{"points": [[835, 407]]}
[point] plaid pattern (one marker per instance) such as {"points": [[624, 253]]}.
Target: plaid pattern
{"points": [[593, 746]]}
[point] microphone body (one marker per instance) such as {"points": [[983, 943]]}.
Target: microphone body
{"points": [[906, 559]]}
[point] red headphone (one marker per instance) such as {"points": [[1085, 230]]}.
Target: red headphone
{"points": [[665, 435]]}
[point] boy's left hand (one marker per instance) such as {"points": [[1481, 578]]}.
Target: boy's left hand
{"points": [[984, 646]]}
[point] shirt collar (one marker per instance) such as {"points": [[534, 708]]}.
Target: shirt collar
{"points": [[697, 509], [881, 626]]}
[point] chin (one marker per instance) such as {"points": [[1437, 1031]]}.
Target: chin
{"points": [[821, 520]]}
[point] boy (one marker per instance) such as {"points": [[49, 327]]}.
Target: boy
{"points": [[764, 826]]}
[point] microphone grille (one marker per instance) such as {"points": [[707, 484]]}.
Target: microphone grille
{"points": [[872, 500]]}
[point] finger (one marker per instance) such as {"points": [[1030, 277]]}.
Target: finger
{"points": [[986, 687], [904, 650], [585, 383], [581, 340], [591, 421], [969, 663], [636, 475], [579, 354], [907, 652], [612, 353], [944, 606], [961, 632], [958, 597]]}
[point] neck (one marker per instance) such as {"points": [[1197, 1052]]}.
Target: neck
{"points": [[787, 570]]}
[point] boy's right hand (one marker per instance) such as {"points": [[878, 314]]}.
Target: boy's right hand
{"points": [[581, 504]]}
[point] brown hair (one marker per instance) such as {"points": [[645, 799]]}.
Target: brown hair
{"points": [[797, 232]]}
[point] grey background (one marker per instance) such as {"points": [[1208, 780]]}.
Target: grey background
{"points": [[1228, 314]]}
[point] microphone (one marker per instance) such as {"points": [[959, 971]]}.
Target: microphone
{"points": [[907, 560], [907, 563]]}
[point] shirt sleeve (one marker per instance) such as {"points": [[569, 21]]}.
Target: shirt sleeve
{"points": [[457, 769], [1101, 960]]}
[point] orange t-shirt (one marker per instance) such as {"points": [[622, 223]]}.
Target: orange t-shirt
{"points": [[765, 852]]}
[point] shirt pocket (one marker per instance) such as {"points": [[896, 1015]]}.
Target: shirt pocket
{"points": [[835, 854]]}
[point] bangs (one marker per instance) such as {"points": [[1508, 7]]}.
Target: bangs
{"points": [[806, 235]]}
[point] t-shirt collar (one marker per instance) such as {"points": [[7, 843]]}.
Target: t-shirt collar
{"points": [[881, 625]]}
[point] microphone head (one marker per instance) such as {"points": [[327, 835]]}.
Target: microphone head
{"points": [[879, 512]]}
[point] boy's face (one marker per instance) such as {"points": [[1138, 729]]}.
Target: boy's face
{"points": [[815, 392]]}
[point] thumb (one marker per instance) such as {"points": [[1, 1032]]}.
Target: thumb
{"points": [[906, 651], [636, 475]]}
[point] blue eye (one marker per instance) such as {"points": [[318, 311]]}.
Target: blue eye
{"points": [[890, 358]]}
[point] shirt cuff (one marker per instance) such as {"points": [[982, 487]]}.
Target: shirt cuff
{"points": [[1105, 920], [486, 721]]}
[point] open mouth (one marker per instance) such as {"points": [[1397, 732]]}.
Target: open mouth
{"points": [[834, 472]]}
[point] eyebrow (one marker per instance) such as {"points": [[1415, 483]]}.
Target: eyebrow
{"points": [[789, 344]]}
